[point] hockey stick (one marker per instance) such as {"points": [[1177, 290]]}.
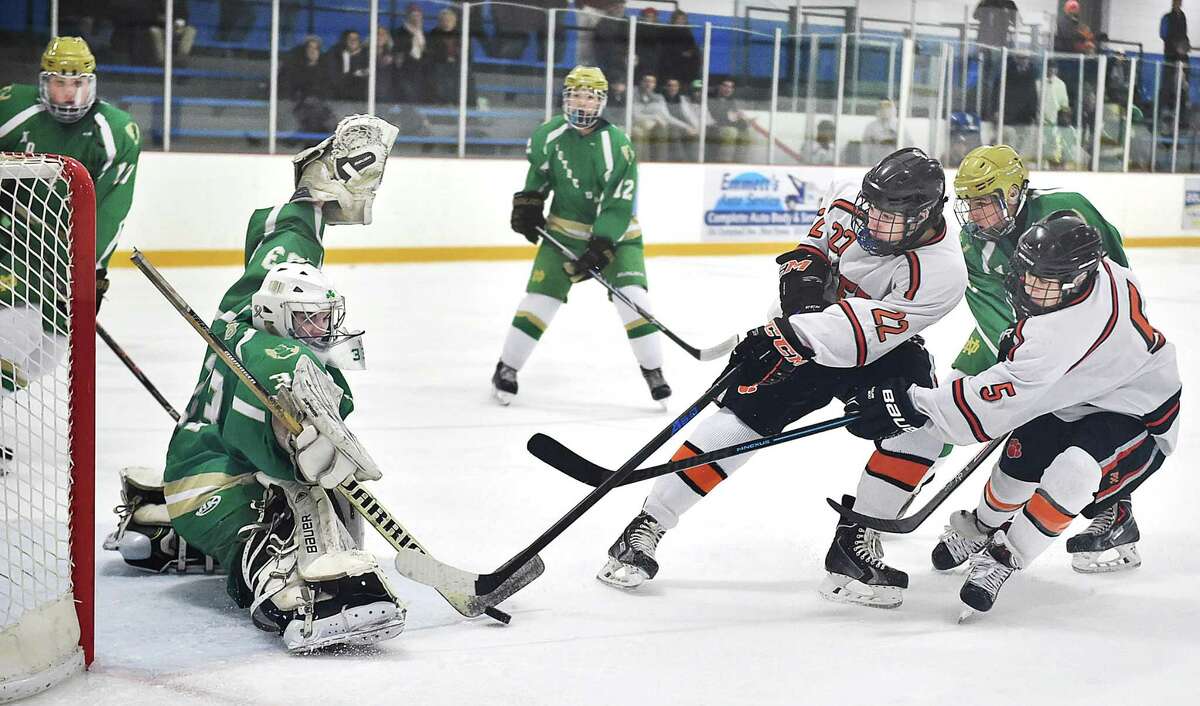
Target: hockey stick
{"points": [[717, 351], [904, 525], [551, 451], [360, 498], [137, 372], [429, 571]]}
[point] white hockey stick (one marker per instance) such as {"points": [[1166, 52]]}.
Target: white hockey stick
{"points": [[712, 353], [366, 504]]}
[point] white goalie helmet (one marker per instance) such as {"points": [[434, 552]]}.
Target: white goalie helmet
{"points": [[297, 301], [346, 168]]}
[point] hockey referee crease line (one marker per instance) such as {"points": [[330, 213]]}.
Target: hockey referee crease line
{"points": [[361, 499], [469, 253]]}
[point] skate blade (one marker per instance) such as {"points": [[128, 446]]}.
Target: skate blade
{"points": [[966, 615], [504, 398], [363, 636], [623, 576], [843, 589], [1127, 558]]}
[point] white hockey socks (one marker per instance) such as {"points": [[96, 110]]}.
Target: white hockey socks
{"points": [[674, 494], [1066, 488], [894, 473], [643, 335], [533, 317], [1002, 497]]}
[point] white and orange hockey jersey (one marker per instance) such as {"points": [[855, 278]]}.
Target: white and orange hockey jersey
{"points": [[880, 302], [1098, 354]]}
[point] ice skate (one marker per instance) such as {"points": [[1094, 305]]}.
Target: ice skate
{"points": [[1114, 533], [659, 389], [6, 457], [990, 568], [631, 559], [857, 573], [504, 383], [963, 537]]}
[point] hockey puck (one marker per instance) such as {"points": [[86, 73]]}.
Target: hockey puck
{"points": [[498, 615]]}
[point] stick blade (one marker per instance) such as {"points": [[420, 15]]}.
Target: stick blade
{"points": [[553, 453], [458, 586], [902, 525], [721, 349]]}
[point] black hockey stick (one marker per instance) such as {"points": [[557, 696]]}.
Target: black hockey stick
{"points": [[551, 451], [361, 499], [137, 372], [431, 572], [717, 351], [904, 525]]}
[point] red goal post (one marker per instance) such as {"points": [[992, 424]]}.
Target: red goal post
{"points": [[47, 420]]}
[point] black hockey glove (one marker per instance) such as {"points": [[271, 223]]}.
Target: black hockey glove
{"points": [[803, 274], [101, 287], [885, 410], [770, 353], [600, 252], [527, 214]]}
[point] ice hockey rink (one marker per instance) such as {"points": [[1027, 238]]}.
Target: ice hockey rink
{"points": [[734, 616]]}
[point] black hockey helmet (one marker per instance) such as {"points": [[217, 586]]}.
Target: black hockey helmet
{"points": [[1063, 252], [911, 186]]}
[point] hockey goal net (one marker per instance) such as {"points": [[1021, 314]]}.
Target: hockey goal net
{"points": [[47, 420]]}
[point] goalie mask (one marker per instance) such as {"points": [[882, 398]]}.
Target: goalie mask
{"points": [[297, 301], [346, 168], [67, 82]]}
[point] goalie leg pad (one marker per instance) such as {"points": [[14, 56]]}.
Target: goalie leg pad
{"points": [[310, 584], [144, 536]]}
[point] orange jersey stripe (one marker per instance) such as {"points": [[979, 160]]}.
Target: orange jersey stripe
{"points": [[903, 470], [1046, 515], [702, 478]]}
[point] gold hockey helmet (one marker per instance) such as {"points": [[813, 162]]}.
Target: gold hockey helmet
{"points": [[585, 93], [990, 186], [67, 82]]}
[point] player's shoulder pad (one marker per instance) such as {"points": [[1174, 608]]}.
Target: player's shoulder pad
{"points": [[125, 130], [841, 197], [936, 268]]}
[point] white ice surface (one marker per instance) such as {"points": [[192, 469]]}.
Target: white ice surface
{"points": [[734, 617]]}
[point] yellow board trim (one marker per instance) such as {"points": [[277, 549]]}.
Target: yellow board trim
{"points": [[366, 256]]}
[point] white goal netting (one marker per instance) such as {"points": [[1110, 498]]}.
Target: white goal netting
{"points": [[47, 215]]}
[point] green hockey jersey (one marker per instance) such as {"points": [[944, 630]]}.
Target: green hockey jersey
{"points": [[106, 141], [227, 430], [593, 177], [987, 267]]}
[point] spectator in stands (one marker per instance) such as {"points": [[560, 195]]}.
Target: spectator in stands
{"points": [[684, 127], [184, 35], [614, 109], [86, 18], [132, 21], [648, 46], [235, 19], [652, 121], [822, 150], [881, 135], [348, 64], [1172, 29], [997, 22], [1072, 35], [304, 79], [560, 28], [965, 135], [729, 130], [514, 25], [1021, 104], [587, 14], [411, 56], [386, 90], [445, 50], [611, 42], [678, 51]]}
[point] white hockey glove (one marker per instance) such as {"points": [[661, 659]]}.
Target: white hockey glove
{"points": [[325, 451]]}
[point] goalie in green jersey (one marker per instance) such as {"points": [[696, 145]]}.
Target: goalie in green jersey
{"points": [[63, 115], [995, 205], [590, 166], [238, 486]]}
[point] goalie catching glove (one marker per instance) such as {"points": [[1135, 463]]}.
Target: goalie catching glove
{"points": [[324, 452], [527, 214], [885, 410], [599, 253]]}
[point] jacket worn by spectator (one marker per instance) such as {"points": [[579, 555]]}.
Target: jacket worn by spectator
{"points": [[1172, 29], [678, 54], [348, 63], [997, 22]]}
